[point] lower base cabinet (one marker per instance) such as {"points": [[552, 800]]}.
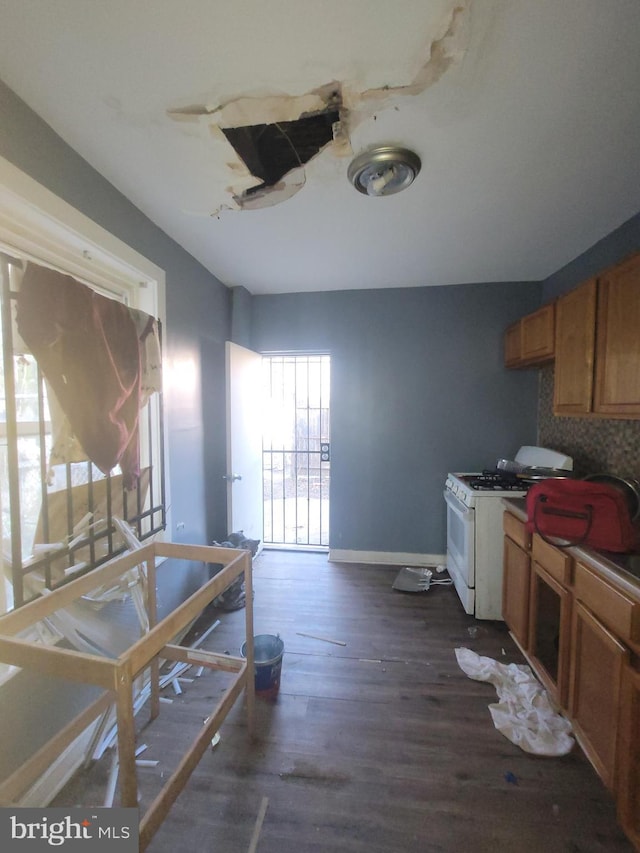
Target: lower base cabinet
{"points": [[579, 628], [629, 755], [550, 617], [549, 632], [598, 660], [515, 591]]}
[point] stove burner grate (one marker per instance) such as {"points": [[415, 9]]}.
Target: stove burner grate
{"points": [[498, 481]]}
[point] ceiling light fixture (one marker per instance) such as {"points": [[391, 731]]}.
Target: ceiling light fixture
{"points": [[384, 170]]}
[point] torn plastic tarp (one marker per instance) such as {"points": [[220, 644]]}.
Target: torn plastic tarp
{"points": [[524, 714]]}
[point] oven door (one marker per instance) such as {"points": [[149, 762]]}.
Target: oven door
{"points": [[461, 551]]}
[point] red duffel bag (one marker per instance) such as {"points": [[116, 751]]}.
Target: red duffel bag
{"points": [[581, 513]]}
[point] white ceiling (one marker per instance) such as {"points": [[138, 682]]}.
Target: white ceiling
{"points": [[526, 116]]}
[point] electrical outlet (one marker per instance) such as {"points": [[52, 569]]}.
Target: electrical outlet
{"points": [[180, 525]]}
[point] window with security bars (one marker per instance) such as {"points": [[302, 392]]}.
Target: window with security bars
{"points": [[296, 450], [62, 514]]}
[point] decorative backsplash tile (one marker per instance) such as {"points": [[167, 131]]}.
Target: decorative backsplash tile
{"points": [[597, 445]]}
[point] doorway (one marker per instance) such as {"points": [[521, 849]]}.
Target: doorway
{"points": [[296, 451]]}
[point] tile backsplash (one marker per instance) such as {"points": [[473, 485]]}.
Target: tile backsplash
{"points": [[597, 445]]}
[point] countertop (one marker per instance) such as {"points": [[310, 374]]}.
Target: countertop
{"points": [[623, 567]]}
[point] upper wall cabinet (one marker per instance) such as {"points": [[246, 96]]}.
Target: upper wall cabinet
{"points": [[530, 341], [575, 346], [513, 345], [617, 387], [598, 346]]}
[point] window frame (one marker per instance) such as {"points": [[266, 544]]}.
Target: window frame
{"points": [[37, 225]]}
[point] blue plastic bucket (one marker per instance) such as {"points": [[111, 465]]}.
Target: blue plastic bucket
{"points": [[267, 657]]}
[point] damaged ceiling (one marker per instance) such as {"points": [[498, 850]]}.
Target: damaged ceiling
{"points": [[232, 126]]}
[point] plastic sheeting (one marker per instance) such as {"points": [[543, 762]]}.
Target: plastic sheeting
{"points": [[524, 713]]}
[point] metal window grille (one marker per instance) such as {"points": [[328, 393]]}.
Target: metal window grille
{"points": [[296, 450], [76, 507]]}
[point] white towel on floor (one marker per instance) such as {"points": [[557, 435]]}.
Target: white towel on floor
{"points": [[524, 713]]}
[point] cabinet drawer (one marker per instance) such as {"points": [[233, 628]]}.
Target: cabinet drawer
{"points": [[555, 561], [516, 530], [614, 609]]}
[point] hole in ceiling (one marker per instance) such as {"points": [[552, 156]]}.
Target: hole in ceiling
{"points": [[269, 151]]}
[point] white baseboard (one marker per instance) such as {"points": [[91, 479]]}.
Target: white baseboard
{"points": [[385, 558]]}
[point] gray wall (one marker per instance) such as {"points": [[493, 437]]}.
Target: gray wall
{"points": [[418, 389], [198, 323], [198, 313], [615, 247]]}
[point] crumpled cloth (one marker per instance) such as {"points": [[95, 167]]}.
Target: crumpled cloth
{"points": [[91, 349], [524, 713]]}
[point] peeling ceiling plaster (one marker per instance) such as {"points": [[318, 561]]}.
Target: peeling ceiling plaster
{"points": [[525, 116], [446, 45]]}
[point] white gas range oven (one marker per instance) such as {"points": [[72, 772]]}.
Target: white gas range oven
{"points": [[474, 524]]}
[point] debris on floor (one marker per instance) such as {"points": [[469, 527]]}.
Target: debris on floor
{"points": [[253, 844], [417, 579], [233, 598], [413, 579], [323, 639], [524, 714]]}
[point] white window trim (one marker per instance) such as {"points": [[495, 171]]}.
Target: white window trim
{"points": [[36, 224], [42, 226]]}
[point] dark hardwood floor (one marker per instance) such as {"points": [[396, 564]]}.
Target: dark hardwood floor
{"points": [[381, 745]]}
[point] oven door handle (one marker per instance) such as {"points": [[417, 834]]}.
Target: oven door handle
{"points": [[456, 504]]}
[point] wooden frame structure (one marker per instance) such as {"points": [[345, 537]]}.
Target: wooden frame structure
{"points": [[117, 675]]}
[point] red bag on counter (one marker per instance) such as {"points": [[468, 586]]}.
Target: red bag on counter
{"points": [[581, 513]]}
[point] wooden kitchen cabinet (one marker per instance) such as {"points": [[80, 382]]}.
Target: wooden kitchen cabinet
{"points": [[550, 617], [538, 335], [536, 603], [597, 662], [616, 610], [629, 754], [516, 579], [531, 341], [513, 345], [597, 360], [617, 378], [575, 350], [584, 646], [549, 632], [606, 627]]}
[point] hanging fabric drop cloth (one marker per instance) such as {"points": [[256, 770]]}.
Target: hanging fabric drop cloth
{"points": [[88, 348], [524, 713]]}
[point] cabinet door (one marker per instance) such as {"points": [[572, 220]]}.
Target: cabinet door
{"points": [[597, 661], [550, 632], [575, 344], [512, 346], [538, 335], [515, 591], [629, 756], [617, 389]]}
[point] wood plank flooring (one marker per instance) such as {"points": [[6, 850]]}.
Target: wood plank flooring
{"points": [[382, 745]]}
